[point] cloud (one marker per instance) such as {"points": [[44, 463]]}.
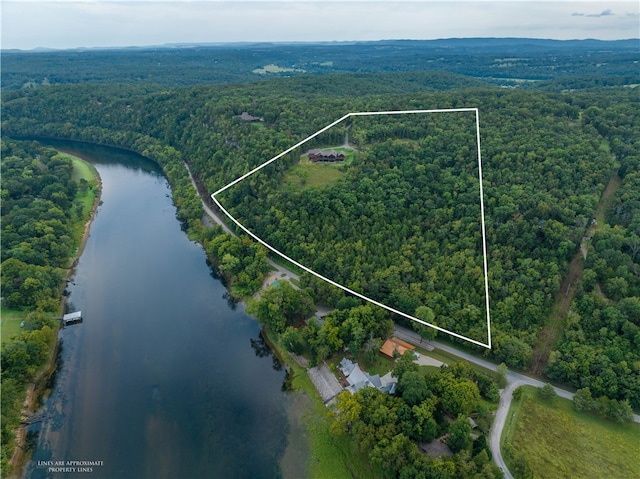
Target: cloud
{"points": [[85, 23], [605, 13]]}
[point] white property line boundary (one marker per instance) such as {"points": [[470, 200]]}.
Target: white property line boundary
{"points": [[355, 293]]}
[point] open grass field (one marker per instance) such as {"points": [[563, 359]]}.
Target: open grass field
{"points": [[272, 68], [11, 320], [81, 168], [380, 365], [557, 442], [86, 171], [318, 175], [313, 175]]}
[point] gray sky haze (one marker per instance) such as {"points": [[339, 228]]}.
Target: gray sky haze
{"points": [[28, 24]]}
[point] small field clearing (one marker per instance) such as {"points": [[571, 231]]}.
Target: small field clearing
{"points": [[558, 442]]}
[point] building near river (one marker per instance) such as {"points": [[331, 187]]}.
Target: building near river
{"points": [[357, 379], [75, 317]]}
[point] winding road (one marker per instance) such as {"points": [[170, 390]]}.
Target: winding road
{"points": [[514, 380], [281, 271]]}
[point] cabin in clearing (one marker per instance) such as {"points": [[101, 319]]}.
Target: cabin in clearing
{"points": [[329, 156]]}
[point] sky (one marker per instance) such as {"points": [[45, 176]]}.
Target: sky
{"points": [[28, 24]]}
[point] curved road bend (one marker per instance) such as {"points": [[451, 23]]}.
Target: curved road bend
{"points": [[514, 380]]}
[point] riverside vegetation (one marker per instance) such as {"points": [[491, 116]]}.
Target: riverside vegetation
{"points": [[47, 199], [401, 221]]}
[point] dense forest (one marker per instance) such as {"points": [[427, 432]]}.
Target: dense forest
{"points": [[599, 349], [39, 207], [42, 222], [399, 221], [388, 428], [540, 198], [505, 61]]}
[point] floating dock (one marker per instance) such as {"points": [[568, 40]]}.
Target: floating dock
{"points": [[72, 318]]}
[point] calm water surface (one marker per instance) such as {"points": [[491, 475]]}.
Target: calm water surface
{"points": [[164, 378]]}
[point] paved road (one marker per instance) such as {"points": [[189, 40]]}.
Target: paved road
{"points": [[281, 271], [514, 380]]}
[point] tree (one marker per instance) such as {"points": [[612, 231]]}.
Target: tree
{"points": [[391, 456], [548, 393], [426, 314], [481, 444], [372, 349], [413, 387], [425, 427], [348, 412], [616, 288], [502, 370], [457, 395], [513, 351], [459, 434], [583, 401], [404, 364], [292, 340], [269, 311], [279, 305], [620, 411]]}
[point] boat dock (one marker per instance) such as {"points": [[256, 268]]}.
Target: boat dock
{"points": [[72, 318]]}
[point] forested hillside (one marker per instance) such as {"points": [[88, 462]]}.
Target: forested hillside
{"points": [[599, 349], [535, 63], [43, 217], [400, 222]]}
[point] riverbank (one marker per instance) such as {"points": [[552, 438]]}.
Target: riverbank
{"points": [[37, 389], [330, 455]]}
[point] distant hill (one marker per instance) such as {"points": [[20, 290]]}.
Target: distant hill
{"points": [[503, 61]]}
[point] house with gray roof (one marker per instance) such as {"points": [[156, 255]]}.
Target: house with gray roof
{"points": [[357, 378]]}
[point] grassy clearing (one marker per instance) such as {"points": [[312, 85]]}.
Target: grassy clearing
{"points": [[85, 197], [558, 442], [81, 168], [380, 365], [313, 175], [272, 68], [11, 319], [318, 175], [86, 171]]}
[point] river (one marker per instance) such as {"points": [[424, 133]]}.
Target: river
{"points": [[165, 377]]}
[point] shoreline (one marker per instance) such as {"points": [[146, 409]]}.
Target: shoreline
{"points": [[36, 390]]}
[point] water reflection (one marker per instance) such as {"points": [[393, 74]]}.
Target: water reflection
{"points": [[159, 380]]}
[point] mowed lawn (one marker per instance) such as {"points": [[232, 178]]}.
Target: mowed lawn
{"points": [[11, 320], [86, 171], [314, 175], [558, 442]]}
